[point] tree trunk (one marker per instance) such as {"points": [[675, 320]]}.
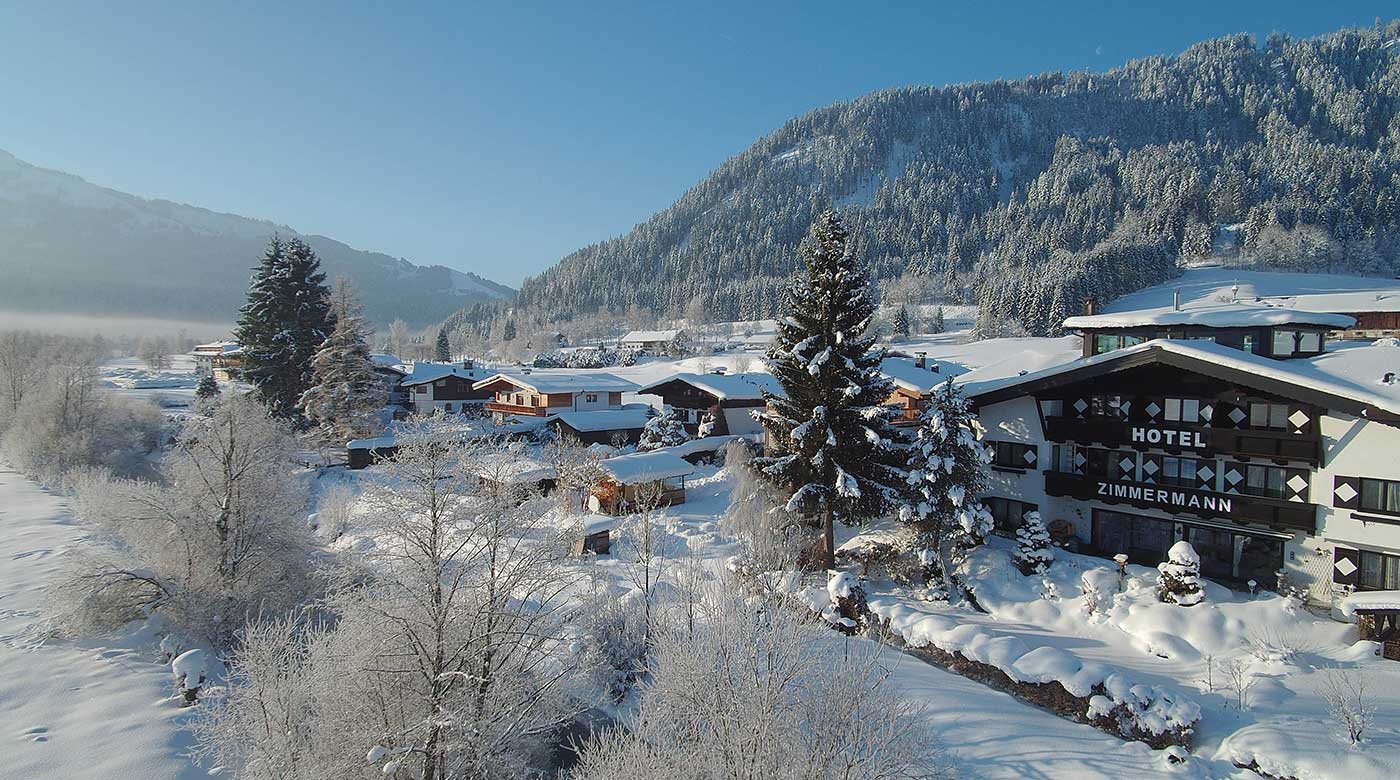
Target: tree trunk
{"points": [[828, 540]]}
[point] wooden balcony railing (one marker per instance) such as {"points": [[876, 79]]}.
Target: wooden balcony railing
{"points": [[532, 411]]}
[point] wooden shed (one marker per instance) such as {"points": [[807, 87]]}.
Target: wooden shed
{"points": [[631, 482], [1377, 614]]}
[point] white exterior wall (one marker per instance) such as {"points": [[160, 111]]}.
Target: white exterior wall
{"points": [[582, 404], [1356, 448], [1018, 420]]}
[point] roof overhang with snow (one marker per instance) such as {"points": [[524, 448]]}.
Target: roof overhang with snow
{"points": [[1207, 359], [1227, 315], [724, 387], [558, 382], [645, 467]]}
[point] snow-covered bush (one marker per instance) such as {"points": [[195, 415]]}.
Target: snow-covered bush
{"points": [[1144, 713], [935, 587], [1179, 580], [617, 643], [755, 680], [1033, 551], [334, 511], [1349, 702], [663, 430], [1098, 586], [707, 425], [191, 669], [207, 389], [587, 357], [848, 610]]}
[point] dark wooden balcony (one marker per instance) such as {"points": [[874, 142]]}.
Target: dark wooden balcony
{"points": [[503, 408]]}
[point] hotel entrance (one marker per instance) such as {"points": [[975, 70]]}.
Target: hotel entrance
{"points": [[1228, 555]]}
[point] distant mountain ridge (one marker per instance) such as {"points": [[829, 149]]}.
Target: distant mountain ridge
{"points": [[69, 246], [1027, 196]]}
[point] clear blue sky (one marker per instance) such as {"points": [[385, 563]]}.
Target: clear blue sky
{"points": [[497, 138]]}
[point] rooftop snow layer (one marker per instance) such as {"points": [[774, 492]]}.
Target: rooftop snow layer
{"points": [[1355, 372], [645, 467], [905, 374], [518, 471], [650, 336], [1211, 314], [725, 387], [1370, 600], [1334, 293], [630, 417], [563, 381], [421, 373]]}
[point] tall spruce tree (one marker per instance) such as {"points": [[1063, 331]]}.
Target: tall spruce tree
{"points": [[442, 349], [283, 324], [345, 392], [837, 457], [901, 323]]}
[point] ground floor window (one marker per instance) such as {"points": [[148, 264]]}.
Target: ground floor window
{"points": [[1145, 540], [1379, 571], [1226, 554], [1007, 514]]}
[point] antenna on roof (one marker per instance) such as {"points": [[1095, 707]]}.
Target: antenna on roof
{"points": [[1235, 291]]}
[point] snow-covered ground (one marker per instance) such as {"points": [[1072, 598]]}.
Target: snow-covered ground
{"points": [[71, 710]]}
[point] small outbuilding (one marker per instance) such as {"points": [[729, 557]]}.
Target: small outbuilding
{"points": [[519, 478], [633, 481], [1377, 614]]}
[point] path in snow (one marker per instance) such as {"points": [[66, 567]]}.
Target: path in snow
{"points": [[71, 710]]}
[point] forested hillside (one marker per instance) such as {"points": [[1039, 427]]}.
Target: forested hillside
{"points": [[1026, 196]]}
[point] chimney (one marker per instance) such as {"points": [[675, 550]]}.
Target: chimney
{"points": [[920, 360], [1091, 306], [468, 364], [1176, 299]]}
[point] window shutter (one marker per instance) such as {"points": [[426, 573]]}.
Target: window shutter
{"points": [[1346, 492], [1346, 564]]}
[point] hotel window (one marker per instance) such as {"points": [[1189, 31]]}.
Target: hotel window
{"points": [[1106, 342], [1310, 341], [1179, 471], [1012, 455], [1285, 342], [1378, 572], [591, 398], [1007, 514], [1110, 406], [1268, 416], [1112, 464], [1182, 410], [1247, 343], [1264, 481], [1380, 495]]}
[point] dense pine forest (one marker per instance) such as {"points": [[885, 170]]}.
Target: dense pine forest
{"points": [[1027, 196]]}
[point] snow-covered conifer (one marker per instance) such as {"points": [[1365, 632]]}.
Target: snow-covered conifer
{"points": [[346, 392], [1033, 551], [707, 425], [1179, 577], [283, 324], [848, 611], [836, 457], [663, 430], [947, 472], [937, 325], [901, 323], [207, 388], [442, 349]]}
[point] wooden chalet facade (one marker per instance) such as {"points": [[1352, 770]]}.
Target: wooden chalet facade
{"points": [[640, 481], [449, 387], [729, 400]]}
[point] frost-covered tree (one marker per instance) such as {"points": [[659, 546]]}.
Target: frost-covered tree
{"points": [[755, 691], [508, 331], [1179, 577], [442, 349], [219, 537], [900, 326], [847, 611], [947, 471], [208, 388], [1033, 551], [837, 457], [937, 325], [662, 430], [283, 324], [345, 393]]}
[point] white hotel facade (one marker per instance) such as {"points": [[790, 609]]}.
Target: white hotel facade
{"points": [[1233, 428]]}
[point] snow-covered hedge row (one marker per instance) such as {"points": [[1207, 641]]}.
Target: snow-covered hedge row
{"points": [[587, 357], [1106, 699]]}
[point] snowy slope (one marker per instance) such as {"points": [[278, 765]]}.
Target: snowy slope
{"points": [[72, 710], [71, 246]]}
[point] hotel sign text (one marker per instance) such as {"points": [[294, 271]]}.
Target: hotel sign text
{"points": [[1168, 497], [1167, 436]]}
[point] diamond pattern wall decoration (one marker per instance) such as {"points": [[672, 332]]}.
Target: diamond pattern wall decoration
{"points": [[1207, 412], [1299, 420], [1237, 416], [1079, 406], [1345, 567], [1153, 410]]}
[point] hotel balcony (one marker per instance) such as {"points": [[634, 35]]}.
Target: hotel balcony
{"points": [[496, 407]]}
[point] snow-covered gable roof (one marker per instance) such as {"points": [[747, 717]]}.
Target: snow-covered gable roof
{"points": [[650, 336], [518, 471], [645, 467], [422, 373], [387, 361], [1335, 293], [563, 381], [1211, 314], [1353, 374], [908, 376], [1370, 601], [630, 417], [725, 387]]}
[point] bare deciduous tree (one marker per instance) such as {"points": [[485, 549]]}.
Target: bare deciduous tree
{"points": [[1348, 700]]}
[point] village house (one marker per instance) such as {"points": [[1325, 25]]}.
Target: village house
{"points": [[729, 399], [1237, 431], [584, 404], [450, 387], [221, 359], [639, 481], [914, 381], [656, 342]]}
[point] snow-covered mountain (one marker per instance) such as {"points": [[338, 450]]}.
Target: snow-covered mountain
{"points": [[67, 245]]}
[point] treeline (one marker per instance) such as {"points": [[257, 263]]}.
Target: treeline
{"points": [[1026, 196]]}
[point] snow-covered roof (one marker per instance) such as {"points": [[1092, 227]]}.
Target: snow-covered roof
{"points": [[725, 387], [1341, 302], [645, 467], [1370, 600], [216, 348], [1334, 293], [908, 376], [389, 361], [1211, 314], [563, 381], [1352, 372], [422, 373], [648, 336], [630, 417], [518, 471]]}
